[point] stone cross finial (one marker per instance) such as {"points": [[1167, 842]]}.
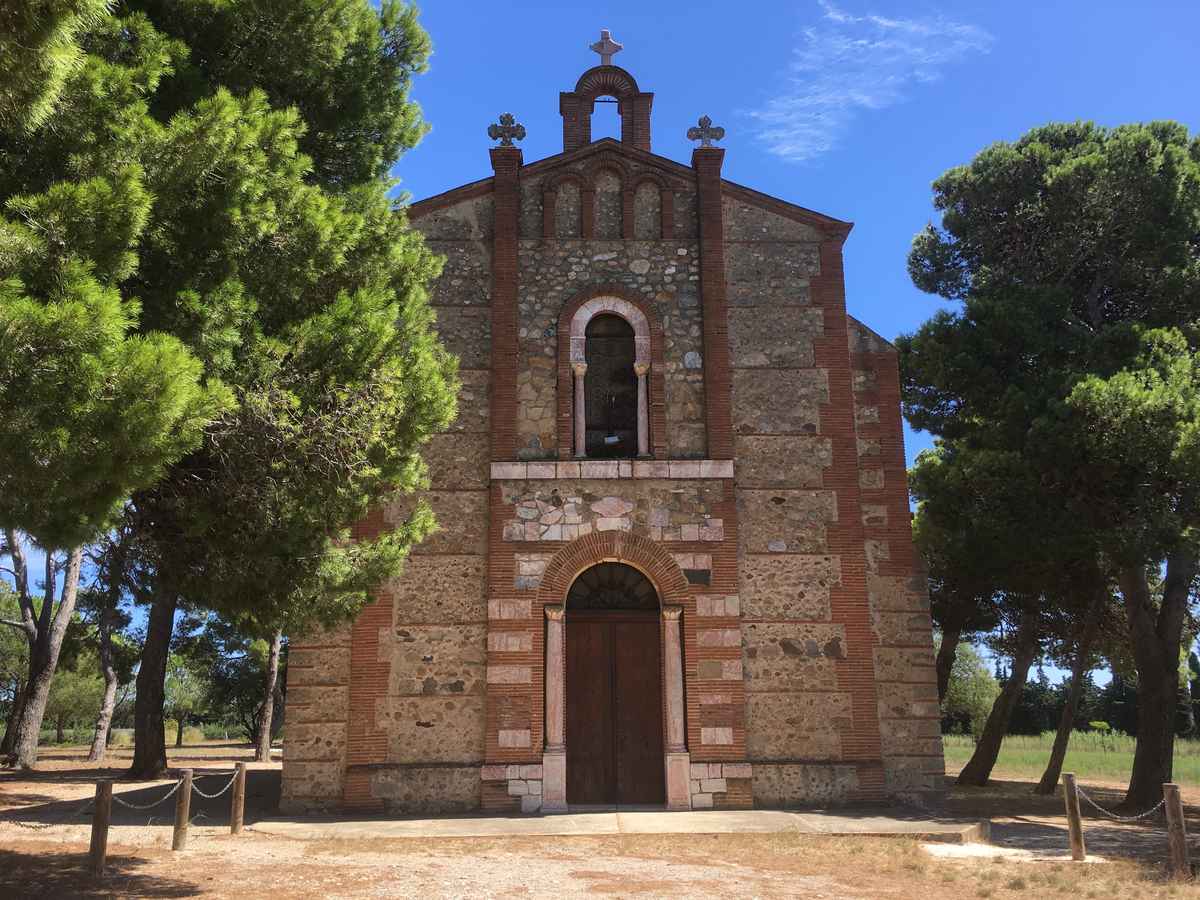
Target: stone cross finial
{"points": [[606, 47], [706, 133], [507, 131]]}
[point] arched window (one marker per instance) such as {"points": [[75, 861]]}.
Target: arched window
{"points": [[611, 388], [611, 404]]}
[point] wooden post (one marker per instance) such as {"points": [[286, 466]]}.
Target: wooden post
{"points": [[100, 820], [1177, 849], [183, 808], [1074, 820], [239, 799]]}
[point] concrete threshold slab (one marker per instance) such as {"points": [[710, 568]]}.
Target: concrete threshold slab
{"points": [[633, 821]]}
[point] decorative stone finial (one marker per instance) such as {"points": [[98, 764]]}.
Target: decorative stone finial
{"points": [[606, 47], [706, 133], [507, 131]]}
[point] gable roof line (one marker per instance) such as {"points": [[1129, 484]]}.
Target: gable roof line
{"points": [[829, 224], [889, 346]]}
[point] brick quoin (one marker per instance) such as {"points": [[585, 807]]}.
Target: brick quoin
{"points": [[861, 744], [707, 163], [506, 162]]}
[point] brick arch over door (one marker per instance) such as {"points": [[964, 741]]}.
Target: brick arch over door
{"points": [[647, 330], [643, 554]]}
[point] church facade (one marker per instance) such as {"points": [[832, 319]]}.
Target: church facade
{"points": [[674, 563]]}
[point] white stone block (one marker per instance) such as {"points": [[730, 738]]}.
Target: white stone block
{"points": [[541, 470], [508, 471]]}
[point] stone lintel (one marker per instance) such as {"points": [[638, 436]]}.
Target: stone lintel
{"points": [[613, 469]]}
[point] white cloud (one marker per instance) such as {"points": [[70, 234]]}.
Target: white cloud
{"points": [[846, 64]]}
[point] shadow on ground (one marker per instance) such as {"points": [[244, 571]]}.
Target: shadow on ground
{"points": [[262, 799], [1034, 822], [48, 871]]}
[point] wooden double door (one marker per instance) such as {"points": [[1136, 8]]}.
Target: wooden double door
{"points": [[614, 727]]}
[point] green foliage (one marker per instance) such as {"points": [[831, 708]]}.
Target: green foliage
{"points": [[39, 51], [347, 67], [298, 282], [75, 693], [1073, 251], [200, 252], [971, 692], [90, 410], [14, 651], [235, 666], [186, 688]]}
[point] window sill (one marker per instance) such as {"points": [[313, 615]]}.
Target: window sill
{"points": [[613, 468]]}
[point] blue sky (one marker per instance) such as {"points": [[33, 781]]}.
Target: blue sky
{"points": [[849, 108]]}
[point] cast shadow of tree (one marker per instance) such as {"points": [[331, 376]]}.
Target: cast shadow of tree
{"points": [[53, 873], [262, 799]]}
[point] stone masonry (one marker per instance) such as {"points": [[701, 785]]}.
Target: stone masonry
{"points": [[770, 513]]}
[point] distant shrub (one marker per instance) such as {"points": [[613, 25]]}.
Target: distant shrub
{"points": [[48, 737], [193, 735], [220, 731]]}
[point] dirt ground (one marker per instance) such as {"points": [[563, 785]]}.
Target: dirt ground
{"points": [[44, 820]]}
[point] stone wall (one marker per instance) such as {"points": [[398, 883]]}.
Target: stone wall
{"points": [[665, 272], [797, 707], [315, 738], [906, 685], [807, 650]]}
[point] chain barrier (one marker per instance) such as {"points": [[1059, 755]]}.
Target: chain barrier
{"points": [[1112, 815], [140, 807], [228, 785]]}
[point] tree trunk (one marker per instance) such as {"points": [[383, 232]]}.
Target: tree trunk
{"points": [[946, 655], [14, 716], [979, 766], [43, 659], [59, 726], [179, 723], [108, 704], [1066, 722], [263, 752], [149, 737], [1155, 636]]}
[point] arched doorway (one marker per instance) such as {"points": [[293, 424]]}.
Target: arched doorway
{"points": [[614, 708]]}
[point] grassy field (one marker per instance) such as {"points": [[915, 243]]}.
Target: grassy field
{"points": [[1090, 755]]}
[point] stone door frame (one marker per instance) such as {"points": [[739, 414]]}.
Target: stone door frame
{"points": [[674, 597]]}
